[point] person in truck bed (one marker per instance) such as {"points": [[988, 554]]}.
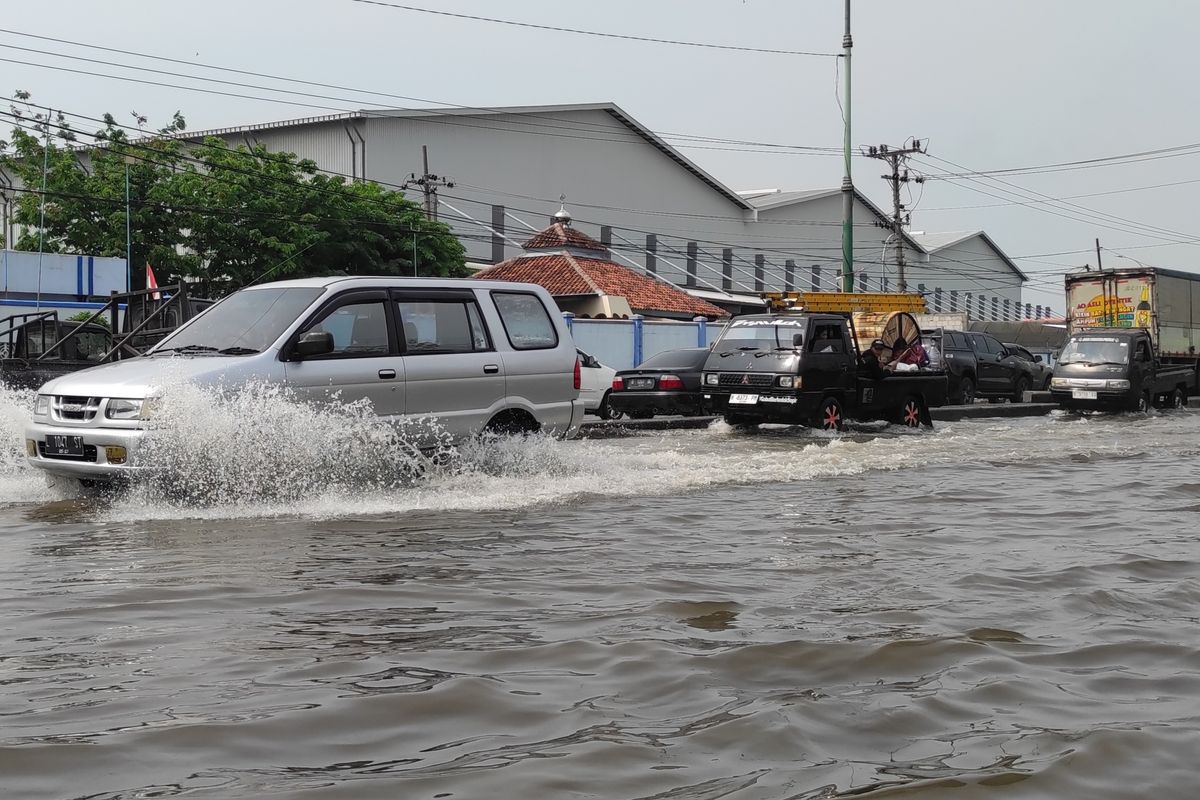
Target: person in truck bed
{"points": [[869, 364], [913, 354]]}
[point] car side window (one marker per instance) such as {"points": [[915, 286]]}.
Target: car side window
{"points": [[1143, 351], [358, 329], [526, 322], [441, 326]]}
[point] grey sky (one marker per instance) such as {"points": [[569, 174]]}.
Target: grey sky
{"points": [[991, 84]]}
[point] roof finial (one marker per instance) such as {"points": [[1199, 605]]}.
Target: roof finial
{"points": [[562, 216]]}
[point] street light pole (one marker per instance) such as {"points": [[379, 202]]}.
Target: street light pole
{"points": [[847, 180]]}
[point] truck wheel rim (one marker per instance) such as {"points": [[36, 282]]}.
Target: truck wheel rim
{"points": [[912, 414], [831, 417]]}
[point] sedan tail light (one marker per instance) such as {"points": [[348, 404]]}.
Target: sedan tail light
{"points": [[670, 382], [578, 377], [618, 384]]}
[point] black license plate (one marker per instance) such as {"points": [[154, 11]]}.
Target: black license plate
{"points": [[641, 383], [57, 445]]}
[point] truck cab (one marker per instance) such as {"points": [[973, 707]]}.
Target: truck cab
{"points": [[802, 369]]}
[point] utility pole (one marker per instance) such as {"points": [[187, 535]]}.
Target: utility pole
{"points": [[847, 179], [429, 184], [898, 157], [1099, 264]]}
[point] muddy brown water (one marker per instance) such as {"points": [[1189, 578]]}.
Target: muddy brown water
{"points": [[1000, 608]]}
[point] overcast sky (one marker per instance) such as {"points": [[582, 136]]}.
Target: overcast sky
{"points": [[992, 85]]}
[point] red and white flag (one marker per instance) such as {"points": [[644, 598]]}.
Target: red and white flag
{"points": [[151, 281]]}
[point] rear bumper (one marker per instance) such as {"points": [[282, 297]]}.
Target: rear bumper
{"points": [[655, 402], [96, 467]]}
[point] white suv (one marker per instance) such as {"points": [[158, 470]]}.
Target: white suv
{"points": [[476, 355]]}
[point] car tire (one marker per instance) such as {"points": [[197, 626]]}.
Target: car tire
{"points": [[1178, 399], [606, 411], [1019, 389], [966, 392], [1144, 403], [829, 415]]}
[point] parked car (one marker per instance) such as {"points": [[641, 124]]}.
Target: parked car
{"points": [[1039, 372], [666, 383], [595, 384], [1000, 373], [952, 351], [476, 355]]}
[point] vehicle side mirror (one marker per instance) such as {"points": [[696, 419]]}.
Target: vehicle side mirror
{"points": [[1037, 359], [314, 343], [797, 340]]}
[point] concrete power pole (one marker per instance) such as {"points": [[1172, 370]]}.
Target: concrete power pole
{"points": [[847, 179], [429, 184], [897, 157]]}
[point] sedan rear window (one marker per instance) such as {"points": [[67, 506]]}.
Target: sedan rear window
{"points": [[676, 359]]}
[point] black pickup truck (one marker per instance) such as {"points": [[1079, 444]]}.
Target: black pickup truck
{"points": [[802, 369], [1114, 369]]}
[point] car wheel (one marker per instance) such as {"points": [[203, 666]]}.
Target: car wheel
{"points": [[1020, 389], [606, 411], [829, 417], [966, 392], [911, 412], [1143, 403], [1178, 399]]}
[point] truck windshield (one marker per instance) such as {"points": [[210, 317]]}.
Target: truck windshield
{"points": [[245, 322], [762, 335], [1095, 351]]}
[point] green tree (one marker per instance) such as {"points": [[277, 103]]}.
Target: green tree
{"points": [[207, 212]]}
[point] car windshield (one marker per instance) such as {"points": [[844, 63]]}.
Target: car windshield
{"points": [[1095, 351], [762, 334], [245, 322]]}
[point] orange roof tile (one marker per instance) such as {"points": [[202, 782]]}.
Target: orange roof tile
{"points": [[564, 275], [559, 235]]}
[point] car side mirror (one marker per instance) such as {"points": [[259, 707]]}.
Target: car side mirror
{"points": [[797, 340], [1037, 359], [314, 343]]}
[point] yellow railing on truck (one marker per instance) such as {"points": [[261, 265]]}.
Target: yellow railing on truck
{"points": [[845, 302]]}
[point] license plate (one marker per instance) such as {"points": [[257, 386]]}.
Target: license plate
{"points": [[743, 399], [57, 445], [1083, 394], [641, 383]]}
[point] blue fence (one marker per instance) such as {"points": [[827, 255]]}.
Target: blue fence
{"points": [[625, 343]]}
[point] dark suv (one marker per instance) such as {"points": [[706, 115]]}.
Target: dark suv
{"points": [[978, 365]]}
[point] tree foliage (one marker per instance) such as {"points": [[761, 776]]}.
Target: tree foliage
{"points": [[219, 215]]}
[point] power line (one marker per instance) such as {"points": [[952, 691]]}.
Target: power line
{"points": [[629, 37]]}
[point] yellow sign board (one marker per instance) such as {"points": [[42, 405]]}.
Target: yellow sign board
{"points": [[845, 302]]}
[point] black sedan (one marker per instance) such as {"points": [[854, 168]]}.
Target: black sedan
{"points": [[666, 383]]}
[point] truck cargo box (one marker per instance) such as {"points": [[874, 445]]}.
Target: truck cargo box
{"points": [[1164, 302]]}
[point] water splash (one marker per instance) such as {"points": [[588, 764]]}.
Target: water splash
{"points": [[20, 482]]}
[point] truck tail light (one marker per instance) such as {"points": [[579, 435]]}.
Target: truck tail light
{"points": [[578, 376], [670, 382], [618, 384]]}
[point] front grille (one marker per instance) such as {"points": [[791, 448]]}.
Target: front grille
{"points": [[74, 409], [89, 453], [757, 379]]}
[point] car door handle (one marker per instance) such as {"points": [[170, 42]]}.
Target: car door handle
{"points": [[387, 374], [490, 369]]}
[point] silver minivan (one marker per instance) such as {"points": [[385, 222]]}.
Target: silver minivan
{"points": [[476, 355]]}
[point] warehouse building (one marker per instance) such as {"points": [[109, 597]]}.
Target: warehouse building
{"points": [[500, 174]]}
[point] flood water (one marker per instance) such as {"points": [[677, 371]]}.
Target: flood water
{"points": [[999, 608]]}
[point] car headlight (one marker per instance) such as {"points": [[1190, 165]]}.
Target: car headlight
{"points": [[787, 381], [1060, 383], [712, 379], [41, 406], [1121, 384], [124, 409]]}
